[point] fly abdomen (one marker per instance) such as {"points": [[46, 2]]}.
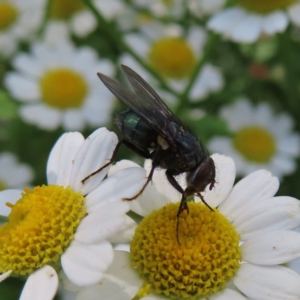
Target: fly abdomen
{"points": [[136, 130]]}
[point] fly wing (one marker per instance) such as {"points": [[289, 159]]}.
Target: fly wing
{"points": [[144, 101]]}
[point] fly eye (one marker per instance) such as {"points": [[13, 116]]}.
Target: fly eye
{"points": [[202, 176]]}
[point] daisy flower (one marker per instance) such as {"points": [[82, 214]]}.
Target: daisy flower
{"points": [[260, 139], [66, 225], [79, 19], [19, 20], [247, 20], [58, 85], [12, 173], [234, 252], [157, 44], [205, 7]]}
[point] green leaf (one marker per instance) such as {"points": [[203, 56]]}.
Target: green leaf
{"points": [[8, 109], [208, 127]]}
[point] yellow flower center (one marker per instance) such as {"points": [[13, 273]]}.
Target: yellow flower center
{"points": [[172, 57], [264, 6], [207, 257], [255, 144], [8, 15], [63, 88], [41, 226], [64, 10], [3, 186]]}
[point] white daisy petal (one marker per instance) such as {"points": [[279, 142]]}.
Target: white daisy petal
{"points": [[73, 119], [268, 282], [83, 23], [271, 214], [85, 264], [11, 196], [293, 142], [5, 275], [272, 248], [226, 20], [41, 285], [225, 176], [227, 294], [22, 88], [258, 185], [62, 157], [45, 117], [126, 234], [102, 223], [27, 65], [123, 184], [121, 165], [294, 13], [275, 22], [100, 146], [248, 30]]}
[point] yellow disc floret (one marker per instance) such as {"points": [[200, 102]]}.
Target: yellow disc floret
{"points": [[63, 88], [41, 226], [264, 6], [172, 57], [3, 186], [8, 15], [206, 258], [64, 10], [255, 144]]}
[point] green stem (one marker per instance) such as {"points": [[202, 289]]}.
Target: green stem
{"points": [[118, 40], [3, 219], [213, 38], [45, 19]]}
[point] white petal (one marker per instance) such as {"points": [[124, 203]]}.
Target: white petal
{"points": [[62, 157], [124, 184], [138, 43], [5, 275], [227, 294], [289, 145], [271, 214], [121, 165], [126, 234], [73, 119], [275, 22], [248, 30], [102, 223], [120, 278], [11, 196], [226, 20], [272, 248], [225, 176], [83, 23], [96, 151], [257, 186], [268, 283], [56, 33], [22, 88], [41, 285], [28, 65], [85, 264], [45, 117], [294, 13]]}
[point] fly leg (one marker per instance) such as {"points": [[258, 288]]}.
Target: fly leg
{"points": [[126, 143], [107, 164], [183, 203], [154, 165], [202, 199]]}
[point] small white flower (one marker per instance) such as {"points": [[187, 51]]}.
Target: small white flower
{"points": [[246, 21], [260, 140], [67, 225], [58, 85], [12, 173], [265, 238], [174, 55], [79, 18], [19, 21]]}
